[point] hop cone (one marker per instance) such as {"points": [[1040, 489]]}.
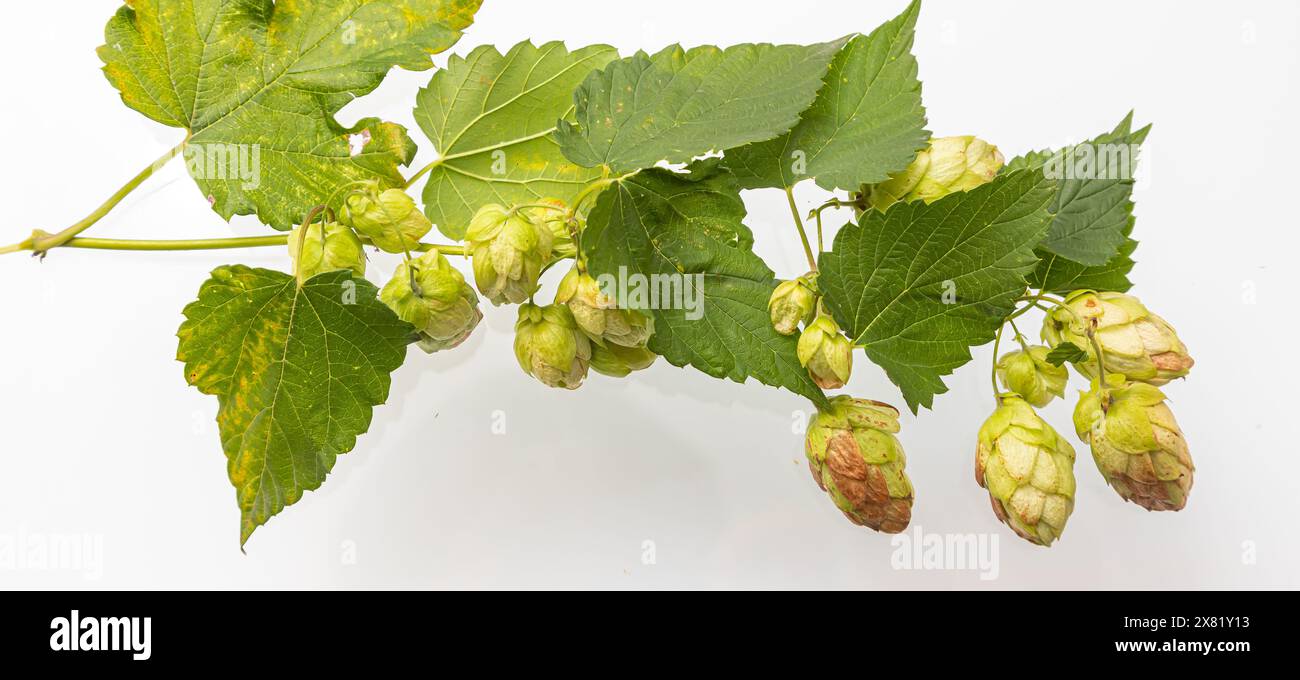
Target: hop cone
{"points": [[617, 361], [431, 295], [562, 244], [1136, 443], [1028, 470], [550, 347], [1137, 344], [339, 249], [948, 165], [855, 457], [389, 218], [1028, 374], [598, 316], [793, 303], [509, 249], [826, 353]]}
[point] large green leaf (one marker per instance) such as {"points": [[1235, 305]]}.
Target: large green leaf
{"points": [[491, 117], [919, 285], [866, 123], [688, 230], [680, 104], [255, 79], [1094, 205], [297, 372]]}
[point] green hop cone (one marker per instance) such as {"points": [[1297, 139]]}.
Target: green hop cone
{"points": [[617, 361], [948, 165], [1031, 376], [855, 457], [1136, 343], [431, 295], [1028, 470], [389, 218], [554, 220], [509, 249], [793, 303], [1136, 443], [550, 346], [340, 249], [597, 314], [826, 353]]}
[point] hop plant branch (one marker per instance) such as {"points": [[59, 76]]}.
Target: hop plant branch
{"points": [[147, 245], [41, 242]]}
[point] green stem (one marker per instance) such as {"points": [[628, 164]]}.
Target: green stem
{"points": [[593, 189], [302, 241], [539, 206], [41, 241], [1020, 338], [423, 171], [1046, 298], [218, 244], [798, 223], [993, 373], [821, 243], [178, 244], [1101, 356]]}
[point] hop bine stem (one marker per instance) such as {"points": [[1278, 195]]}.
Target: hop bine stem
{"points": [[40, 241], [803, 235], [213, 244], [993, 373]]}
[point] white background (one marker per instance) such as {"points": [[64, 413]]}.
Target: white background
{"points": [[100, 435]]}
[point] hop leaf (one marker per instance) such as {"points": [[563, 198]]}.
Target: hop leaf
{"points": [[919, 285], [262, 82], [297, 370], [491, 117], [679, 104]]}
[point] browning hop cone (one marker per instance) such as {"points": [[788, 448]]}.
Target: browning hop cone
{"points": [[1136, 443], [856, 459], [1137, 344], [1028, 470]]}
